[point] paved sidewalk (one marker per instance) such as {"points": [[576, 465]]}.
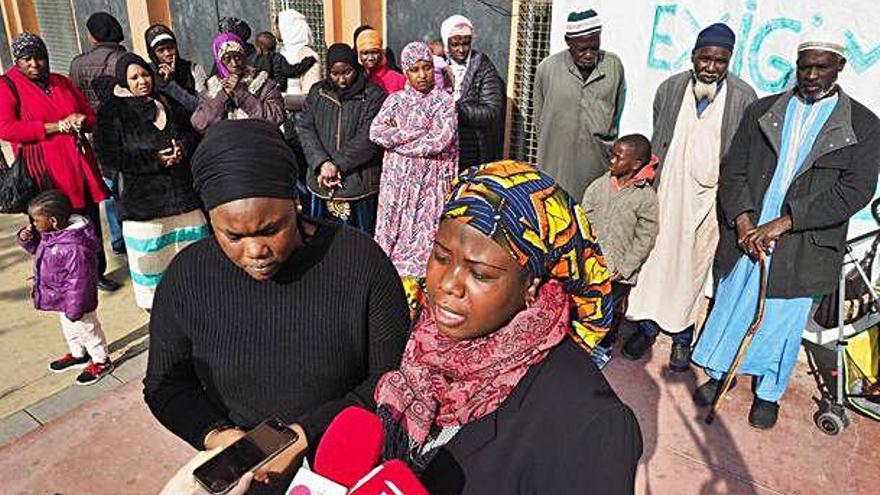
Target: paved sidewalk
{"points": [[113, 446]]}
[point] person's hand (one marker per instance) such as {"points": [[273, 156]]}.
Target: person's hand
{"points": [[329, 175], [183, 482], [744, 228], [287, 461], [615, 276], [390, 122], [76, 120], [230, 83], [166, 72], [26, 233], [762, 239]]}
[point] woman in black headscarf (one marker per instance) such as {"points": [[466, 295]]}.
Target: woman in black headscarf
{"points": [[178, 79], [148, 142], [343, 165]]}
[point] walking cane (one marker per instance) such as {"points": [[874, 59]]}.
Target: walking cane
{"points": [[750, 334]]}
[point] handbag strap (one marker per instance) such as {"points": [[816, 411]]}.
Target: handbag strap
{"points": [[14, 95]]}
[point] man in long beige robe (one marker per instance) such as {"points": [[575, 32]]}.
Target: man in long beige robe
{"points": [[695, 116]]}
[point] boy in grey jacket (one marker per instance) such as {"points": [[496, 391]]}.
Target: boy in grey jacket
{"points": [[622, 208]]}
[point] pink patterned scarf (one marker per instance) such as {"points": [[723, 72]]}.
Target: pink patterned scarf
{"points": [[445, 382]]}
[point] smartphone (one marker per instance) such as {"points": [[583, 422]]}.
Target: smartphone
{"points": [[221, 472]]}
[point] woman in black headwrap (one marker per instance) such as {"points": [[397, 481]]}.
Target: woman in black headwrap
{"points": [[149, 142], [263, 319], [179, 79], [343, 165]]}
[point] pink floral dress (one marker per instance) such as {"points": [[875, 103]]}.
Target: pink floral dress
{"points": [[421, 159]]}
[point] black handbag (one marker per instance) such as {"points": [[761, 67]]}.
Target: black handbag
{"points": [[17, 185], [857, 298]]}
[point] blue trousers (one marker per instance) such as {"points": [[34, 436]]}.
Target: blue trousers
{"points": [[113, 222], [652, 329]]}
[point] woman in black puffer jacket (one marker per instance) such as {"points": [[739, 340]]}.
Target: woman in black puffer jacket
{"points": [[342, 164], [149, 142]]}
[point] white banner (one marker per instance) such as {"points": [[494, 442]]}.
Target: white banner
{"points": [[654, 40]]}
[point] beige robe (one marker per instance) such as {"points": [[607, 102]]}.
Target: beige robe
{"points": [[671, 283]]}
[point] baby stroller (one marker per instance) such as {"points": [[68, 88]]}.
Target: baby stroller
{"points": [[858, 356]]}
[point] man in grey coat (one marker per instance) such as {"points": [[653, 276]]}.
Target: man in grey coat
{"points": [[695, 116], [578, 99], [801, 164]]}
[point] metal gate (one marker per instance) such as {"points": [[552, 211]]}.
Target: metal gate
{"points": [[57, 29], [531, 45]]}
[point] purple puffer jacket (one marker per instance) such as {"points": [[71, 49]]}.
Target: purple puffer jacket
{"points": [[65, 269]]}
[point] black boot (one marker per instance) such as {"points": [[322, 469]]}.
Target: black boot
{"points": [[763, 414], [680, 358], [637, 346], [705, 394], [108, 285]]}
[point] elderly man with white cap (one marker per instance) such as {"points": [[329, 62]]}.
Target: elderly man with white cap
{"points": [[478, 92], [578, 98], [801, 164]]}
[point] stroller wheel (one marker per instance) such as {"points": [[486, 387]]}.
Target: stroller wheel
{"points": [[832, 422]]}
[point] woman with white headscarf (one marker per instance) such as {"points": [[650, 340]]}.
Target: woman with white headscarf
{"points": [[296, 37], [478, 92]]}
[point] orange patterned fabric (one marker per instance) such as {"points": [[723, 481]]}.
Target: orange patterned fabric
{"points": [[544, 230]]}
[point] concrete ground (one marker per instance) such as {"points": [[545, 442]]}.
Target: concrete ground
{"points": [[56, 438]]}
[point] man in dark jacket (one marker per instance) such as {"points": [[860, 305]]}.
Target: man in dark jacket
{"points": [[343, 165], [94, 72], [478, 92], [800, 165]]}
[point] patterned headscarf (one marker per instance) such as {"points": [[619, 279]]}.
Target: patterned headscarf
{"points": [[29, 45], [413, 53], [225, 43], [544, 230]]}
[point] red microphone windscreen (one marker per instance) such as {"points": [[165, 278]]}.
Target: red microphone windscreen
{"points": [[392, 478], [351, 446]]}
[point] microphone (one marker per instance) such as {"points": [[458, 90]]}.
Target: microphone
{"points": [[391, 478], [350, 448]]}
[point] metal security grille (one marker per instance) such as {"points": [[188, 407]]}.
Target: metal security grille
{"points": [[314, 12], [532, 45], [57, 29]]}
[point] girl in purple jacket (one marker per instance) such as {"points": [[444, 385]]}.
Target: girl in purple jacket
{"points": [[66, 281]]}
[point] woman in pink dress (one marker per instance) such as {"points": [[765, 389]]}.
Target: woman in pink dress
{"points": [[418, 129]]}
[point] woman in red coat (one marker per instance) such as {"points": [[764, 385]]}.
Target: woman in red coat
{"points": [[52, 111]]}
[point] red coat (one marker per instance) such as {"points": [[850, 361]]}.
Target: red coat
{"points": [[75, 174], [389, 80]]}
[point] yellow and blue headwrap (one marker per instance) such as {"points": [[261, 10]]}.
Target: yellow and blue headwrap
{"points": [[544, 230]]}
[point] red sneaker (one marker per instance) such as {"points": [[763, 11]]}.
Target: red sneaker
{"points": [[68, 362], [94, 372]]}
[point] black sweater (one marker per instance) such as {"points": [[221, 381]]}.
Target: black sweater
{"points": [[228, 349]]}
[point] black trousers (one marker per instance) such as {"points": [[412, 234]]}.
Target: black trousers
{"points": [[93, 213]]}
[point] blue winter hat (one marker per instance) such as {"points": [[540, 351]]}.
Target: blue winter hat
{"points": [[717, 34]]}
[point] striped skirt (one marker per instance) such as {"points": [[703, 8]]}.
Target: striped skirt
{"points": [[152, 244]]}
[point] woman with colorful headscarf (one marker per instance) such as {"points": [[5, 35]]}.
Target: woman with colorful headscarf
{"points": [[46, 118], [368, 44], [418, 129], [148, 142], [237, 91], [494, 379]]}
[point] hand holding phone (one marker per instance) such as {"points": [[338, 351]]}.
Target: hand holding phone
{"points": [[183, 483], [249, 453]]}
